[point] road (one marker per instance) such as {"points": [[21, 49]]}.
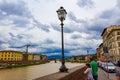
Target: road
{"points": [[102, 75]]}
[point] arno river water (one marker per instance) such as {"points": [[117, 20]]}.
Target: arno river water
{"points": [[32, 72]]}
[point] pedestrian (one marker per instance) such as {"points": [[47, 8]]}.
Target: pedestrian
{"points": [[88, 71], [94, 67], [118, 71]]}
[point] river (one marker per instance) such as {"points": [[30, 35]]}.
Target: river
{"points": [[32, 72]]}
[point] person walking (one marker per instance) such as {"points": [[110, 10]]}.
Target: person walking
{"points": [[88, 71], [94, 67]]}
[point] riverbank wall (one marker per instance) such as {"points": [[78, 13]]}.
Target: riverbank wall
{"points": [[76, 73]]}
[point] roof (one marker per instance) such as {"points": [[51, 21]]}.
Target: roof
{"points": [[101, 44], [103, 31], [9, 51]]}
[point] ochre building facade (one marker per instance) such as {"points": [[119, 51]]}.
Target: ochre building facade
{"points": [[111, 40]]}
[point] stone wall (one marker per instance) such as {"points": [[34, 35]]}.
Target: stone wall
{"points": [[76, 73]]}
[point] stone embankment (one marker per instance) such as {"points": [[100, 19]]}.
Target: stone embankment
{"points": [[75, 73]]}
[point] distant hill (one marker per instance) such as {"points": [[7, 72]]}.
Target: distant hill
{"points": [[56, 57]]}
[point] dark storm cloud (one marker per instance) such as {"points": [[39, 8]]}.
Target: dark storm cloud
{"points": [[11, 34], [94, 35], [49, 41], [20, 15], [20, 22], [17, 12], [2, 41], [74, 18], [96, 25], [105, 19], [118, 3], [54, 50], [18, 8], [17, 40], [73, 44], [56, 27], [67, 28], [107, 14], [41, 26], [85, 3], [75, 36], [32, 45], [19, 36], [71, 27]]}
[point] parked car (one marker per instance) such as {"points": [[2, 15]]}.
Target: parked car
{"points": [[109, 67], [114, 62], [103, 65], [99, 63]]}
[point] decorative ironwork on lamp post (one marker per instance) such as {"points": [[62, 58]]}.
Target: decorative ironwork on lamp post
{"points": [[62, 15]]}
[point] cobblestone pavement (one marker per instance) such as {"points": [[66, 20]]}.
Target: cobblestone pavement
{"points": [[105, 76]]}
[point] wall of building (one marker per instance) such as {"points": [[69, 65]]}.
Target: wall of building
{"points": [[11, 56], [20, 57], [111, 40]]}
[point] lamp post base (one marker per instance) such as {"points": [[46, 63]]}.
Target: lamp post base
{"points": [[63, 68]]}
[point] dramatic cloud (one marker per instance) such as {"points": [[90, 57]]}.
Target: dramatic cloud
{"points": [[36, 23], [118, 3], [11, 8], [75, 36], [85, 3], [19, 15], [73, 17]]}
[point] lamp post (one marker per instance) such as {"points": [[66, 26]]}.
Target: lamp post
{"points": [[61, 15]]}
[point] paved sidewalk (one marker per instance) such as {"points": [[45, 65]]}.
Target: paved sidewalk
{"points": [[105, 76]]}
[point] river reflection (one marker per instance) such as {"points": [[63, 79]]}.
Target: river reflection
{"points": [[32, 72]]}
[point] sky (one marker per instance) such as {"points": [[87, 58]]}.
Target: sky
{"points": [[35, 22]]}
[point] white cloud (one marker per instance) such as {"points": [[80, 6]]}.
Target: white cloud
{"points": [[36, 22]]}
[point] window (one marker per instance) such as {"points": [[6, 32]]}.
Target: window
{"points": [[118, 38], [118, 44], [118, 33], [118, 52]]}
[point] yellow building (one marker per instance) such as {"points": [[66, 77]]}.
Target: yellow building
{"points": [[30, 57], [10, 55], [111, 40], [100, 53]]}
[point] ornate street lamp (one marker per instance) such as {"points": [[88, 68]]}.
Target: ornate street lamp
{"points": [[61, 15]]}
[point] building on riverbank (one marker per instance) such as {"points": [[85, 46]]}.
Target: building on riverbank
{"points": [[40, 57], [111, 41], [100, 53], [17, 57], [79, 59], [9, 55]]}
